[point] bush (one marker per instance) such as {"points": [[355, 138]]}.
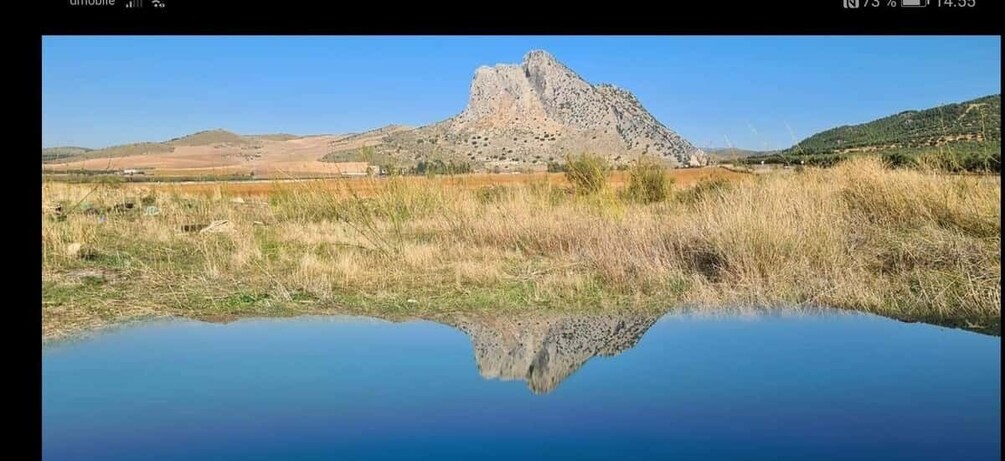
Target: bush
{"points": [[992, 162], [648, 181], [490, 194], [704, 190], [899, 160], [555, 167], [827, 161], [958, 162], [587, 173], [435, 167]]}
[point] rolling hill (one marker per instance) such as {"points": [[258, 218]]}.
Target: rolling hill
{"points": [[60, 152], [963, 136], [210, 153], [721, 154], [124, 150], [202, 138], [205, 138], [978, 120]]}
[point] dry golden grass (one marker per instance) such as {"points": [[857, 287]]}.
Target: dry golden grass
{"points": [[912, 245], [363, 186]]}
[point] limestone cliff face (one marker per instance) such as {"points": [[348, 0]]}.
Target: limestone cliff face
{"points": [[545, 349], [540, 111]]}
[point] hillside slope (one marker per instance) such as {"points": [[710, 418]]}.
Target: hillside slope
{"points": [[208, 137], [978, 120], [201, 138], [124, 150], [59, 152], [721, 154]]}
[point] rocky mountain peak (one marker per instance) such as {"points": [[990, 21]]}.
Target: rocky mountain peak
{"points": [[539, 56], [539, 111]]}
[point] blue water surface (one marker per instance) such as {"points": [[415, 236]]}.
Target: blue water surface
{"points": [[774, 387]]}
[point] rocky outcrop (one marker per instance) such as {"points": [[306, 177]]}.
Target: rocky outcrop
{"points": [[545, 349], [539, 111]]}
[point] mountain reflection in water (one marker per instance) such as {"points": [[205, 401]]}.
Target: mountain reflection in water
{"points": [[545, 349]]}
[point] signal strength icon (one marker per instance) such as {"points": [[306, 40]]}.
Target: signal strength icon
{"points": [[134, 4]]}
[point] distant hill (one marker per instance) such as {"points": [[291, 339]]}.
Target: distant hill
{"points": [[202, 138], [52, 153], [962, 136], [212, 153], [124, 150], [274, 136], [731, 153], [205, 138], [978, 120]]}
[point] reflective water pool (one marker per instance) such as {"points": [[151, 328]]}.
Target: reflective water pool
{"points": [[818, 385]]}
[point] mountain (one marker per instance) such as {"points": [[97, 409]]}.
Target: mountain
{"points": [[376, 133], [533, 113], [974, 121]]}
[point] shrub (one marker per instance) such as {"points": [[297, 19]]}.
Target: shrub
{"points": [[490, 194], [898, 160], [826, 161], [555, 167], [962, 161], [587, 173], [648, 181], [704, 190], [435, 167]]}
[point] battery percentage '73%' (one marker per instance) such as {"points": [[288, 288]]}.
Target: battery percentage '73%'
{"points": [[869, 3]]}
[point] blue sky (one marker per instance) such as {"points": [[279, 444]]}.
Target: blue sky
{"points": [[752, 92]]}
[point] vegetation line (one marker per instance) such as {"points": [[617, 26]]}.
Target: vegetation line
{"points": [[912, 244]]}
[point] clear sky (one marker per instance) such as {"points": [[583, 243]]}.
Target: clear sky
{"points": [[755, 92]]}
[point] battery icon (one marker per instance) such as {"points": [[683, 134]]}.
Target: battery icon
{"points": [[913, 3]]}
